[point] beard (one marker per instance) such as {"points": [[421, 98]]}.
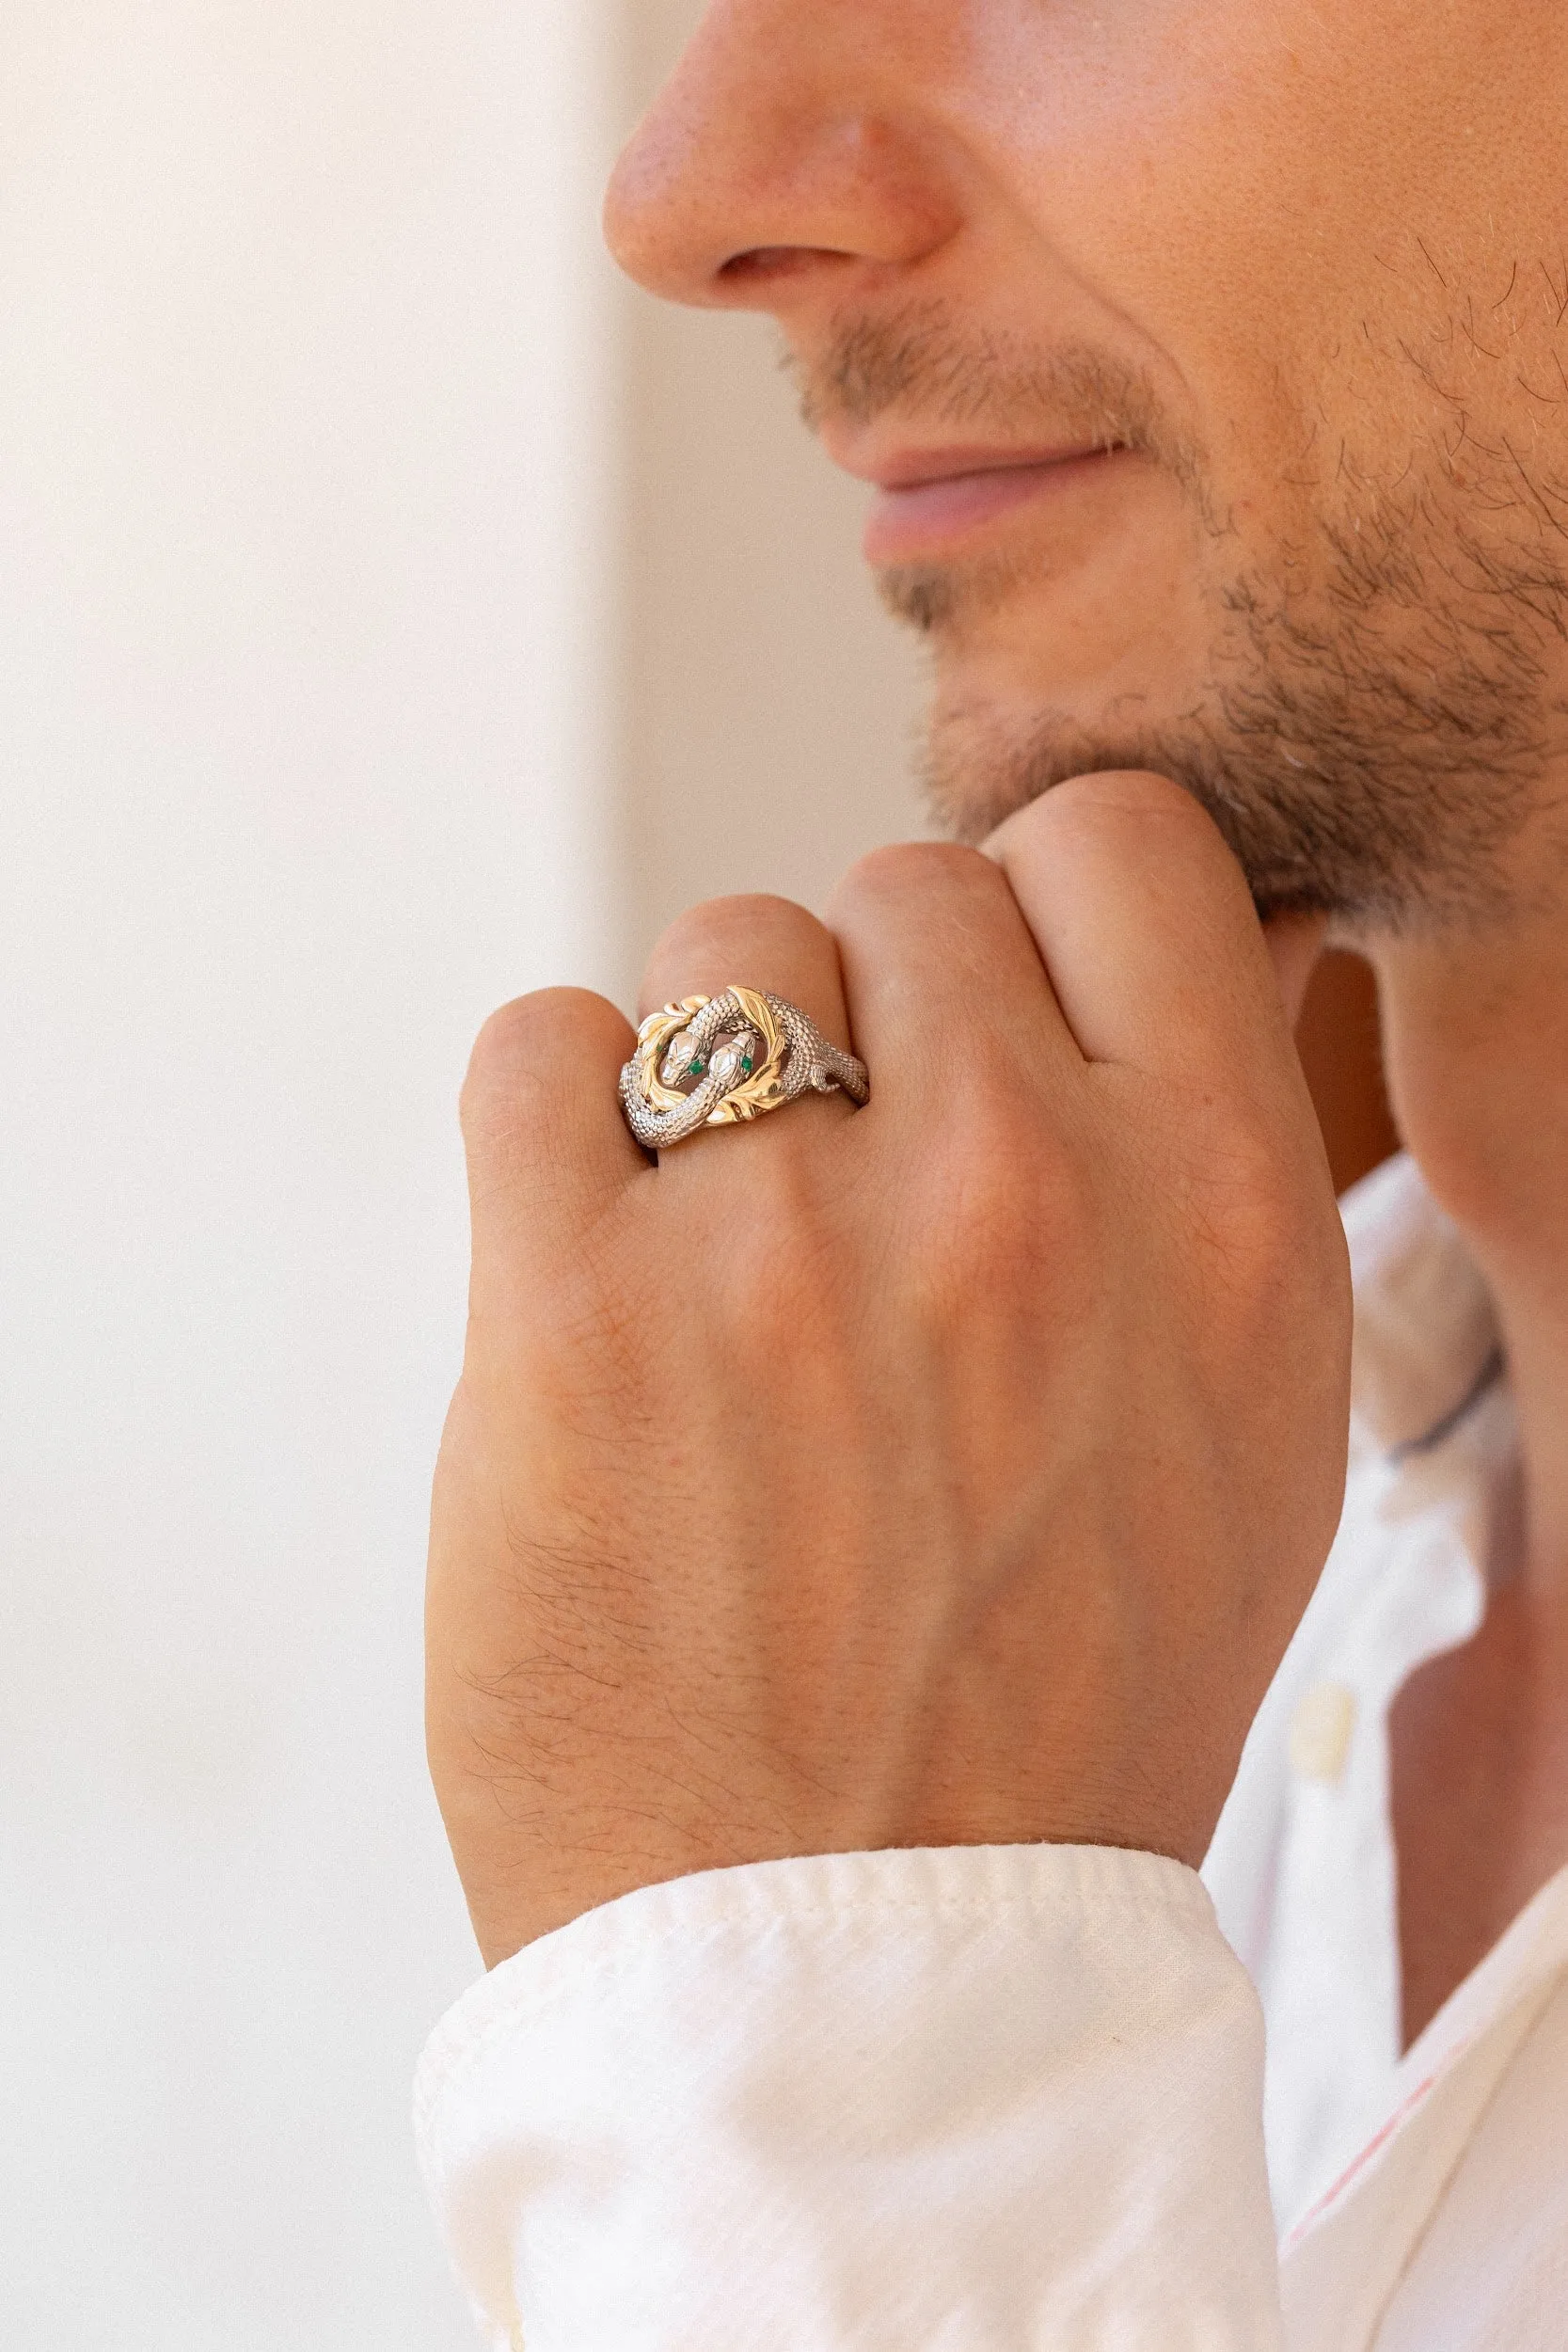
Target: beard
{"points": [[1380, 711]]}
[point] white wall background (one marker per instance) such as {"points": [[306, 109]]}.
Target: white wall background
{"points": [[391, 617], [770, 708]]}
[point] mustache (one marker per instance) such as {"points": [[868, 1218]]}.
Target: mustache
{"points": [[920, 360]]}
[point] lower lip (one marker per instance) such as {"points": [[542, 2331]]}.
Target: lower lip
{"points": [[925, 518]]}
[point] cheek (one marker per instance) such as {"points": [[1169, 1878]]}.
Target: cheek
{"points": [[1241, 191]]}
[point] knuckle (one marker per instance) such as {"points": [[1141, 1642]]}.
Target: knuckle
{"points": [[956, 903], [915, 868], [1247, 1208], [1133, 814], [721, 930], [1001, 1205], [1122, 793], [513, 1070]]}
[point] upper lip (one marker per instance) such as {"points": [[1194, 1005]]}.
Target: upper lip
{"points": [[914, 469]]}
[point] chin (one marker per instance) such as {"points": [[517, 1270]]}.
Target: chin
{"points": [[1364, 758], [984, 757], [1003, 724]]}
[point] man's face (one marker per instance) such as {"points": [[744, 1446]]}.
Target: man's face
{"points": [[1211, 356]]}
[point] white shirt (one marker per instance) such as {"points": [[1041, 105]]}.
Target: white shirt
{"points": [[999, 2100]]}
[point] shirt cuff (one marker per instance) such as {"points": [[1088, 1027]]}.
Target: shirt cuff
{"points": [[977, 2099]]}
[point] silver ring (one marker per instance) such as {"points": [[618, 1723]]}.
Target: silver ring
{"points": [[714, 1061]]}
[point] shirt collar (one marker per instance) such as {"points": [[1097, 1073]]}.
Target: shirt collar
{"points": [[1427, 1345]]}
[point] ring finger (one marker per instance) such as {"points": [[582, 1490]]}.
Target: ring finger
{"points": [[760, 943]]}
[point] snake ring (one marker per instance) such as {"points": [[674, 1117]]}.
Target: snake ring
{"points": [[714, 1061]]}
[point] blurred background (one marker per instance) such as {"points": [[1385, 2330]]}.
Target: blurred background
{"points": [[395, 614]]}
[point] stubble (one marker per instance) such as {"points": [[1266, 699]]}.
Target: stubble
{"points": [[1380, 711]]}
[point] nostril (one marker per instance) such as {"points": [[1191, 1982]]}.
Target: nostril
{"points": [[764, 263]]}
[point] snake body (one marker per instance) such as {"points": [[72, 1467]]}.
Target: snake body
{"points": [[794, 1059]]}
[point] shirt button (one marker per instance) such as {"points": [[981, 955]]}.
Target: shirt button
{"points": [[1322, 1731]]}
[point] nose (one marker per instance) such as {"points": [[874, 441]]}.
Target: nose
{"points": [[790, 150]]}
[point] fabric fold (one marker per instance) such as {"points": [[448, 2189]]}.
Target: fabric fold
{"points": [[975, 2099]]}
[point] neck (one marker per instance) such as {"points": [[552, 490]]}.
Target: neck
{"points": [[1476, 1039]]}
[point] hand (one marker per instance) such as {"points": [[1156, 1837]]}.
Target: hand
{"points": [[951, 1471]]}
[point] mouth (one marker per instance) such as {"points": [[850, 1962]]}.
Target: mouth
{"points": [[926, 504]]}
